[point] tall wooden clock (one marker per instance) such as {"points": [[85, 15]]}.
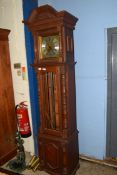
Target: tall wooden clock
{"points": [[55, 69]]}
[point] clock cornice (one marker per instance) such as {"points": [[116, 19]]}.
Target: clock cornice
{"points": [[4, 34], [48, 15]]}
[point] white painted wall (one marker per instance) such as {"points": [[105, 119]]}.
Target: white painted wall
{"points": [[11, 16]]}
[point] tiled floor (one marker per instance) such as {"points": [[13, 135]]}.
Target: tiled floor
{"points": [[90, 168], [86, 168]]}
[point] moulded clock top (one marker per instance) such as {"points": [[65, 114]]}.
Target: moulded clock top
{"points": [[44, 14], [4, 34]]}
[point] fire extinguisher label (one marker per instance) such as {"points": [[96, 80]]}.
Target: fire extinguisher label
{"points": [[19, 116]]}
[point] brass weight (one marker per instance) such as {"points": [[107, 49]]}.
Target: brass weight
{"points": [[33, 163]]}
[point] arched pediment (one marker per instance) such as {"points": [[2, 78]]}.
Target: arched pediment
{"points": [[42, 13], [45, 16]]}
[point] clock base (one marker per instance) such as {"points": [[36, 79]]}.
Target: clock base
{"points": [[64, 173], [59, 156]]}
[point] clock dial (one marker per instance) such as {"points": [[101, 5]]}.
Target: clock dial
{"points": [[49, 46]]}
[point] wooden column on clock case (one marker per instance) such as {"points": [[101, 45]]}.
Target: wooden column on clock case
{"points": [[55, 68]]}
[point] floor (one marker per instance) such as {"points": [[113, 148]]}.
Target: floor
{"points": [[86, 168], [91, 168]]}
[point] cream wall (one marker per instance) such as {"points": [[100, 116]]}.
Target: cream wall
{"points": [[11, 16]]}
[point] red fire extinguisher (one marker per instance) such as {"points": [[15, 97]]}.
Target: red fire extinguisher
{"points": [[23, 120]]}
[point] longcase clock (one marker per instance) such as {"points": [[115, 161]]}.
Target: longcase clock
{"points": [[55, 69]]}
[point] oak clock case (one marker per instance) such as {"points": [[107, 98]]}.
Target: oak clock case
{"points": [[55, 69]]}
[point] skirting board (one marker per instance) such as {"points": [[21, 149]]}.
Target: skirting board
{"points": [[108, 161]]}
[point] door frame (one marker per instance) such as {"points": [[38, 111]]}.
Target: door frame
{"points": [[27, 6], [110, 31]]}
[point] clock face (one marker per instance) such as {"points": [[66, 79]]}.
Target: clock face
{"points": [[49, 46]]}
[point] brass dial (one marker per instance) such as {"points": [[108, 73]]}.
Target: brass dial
{"points": [[49, 46]]}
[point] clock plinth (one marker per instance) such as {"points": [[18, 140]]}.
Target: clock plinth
{"points": [[55, 69]]}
